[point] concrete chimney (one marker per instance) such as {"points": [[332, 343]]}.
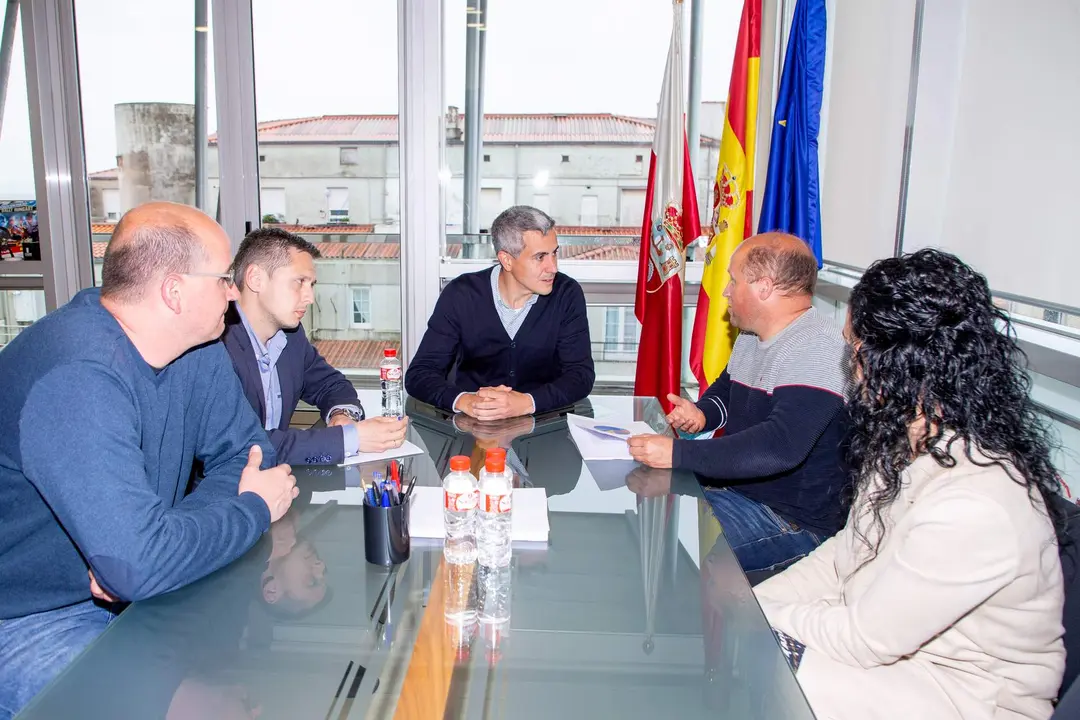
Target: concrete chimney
{"points": [[155, 146]]}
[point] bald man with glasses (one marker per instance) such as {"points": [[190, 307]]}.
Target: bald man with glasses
{"points": [[121, 398]]}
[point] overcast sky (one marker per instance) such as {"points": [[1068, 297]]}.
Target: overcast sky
{"points": [[340, 57]]}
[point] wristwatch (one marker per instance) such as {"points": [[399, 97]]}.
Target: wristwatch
{"points": [[357, 417]]}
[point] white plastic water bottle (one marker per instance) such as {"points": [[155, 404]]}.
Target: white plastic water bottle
{"points": [[459, 511], [495, 510], [390, 375]]}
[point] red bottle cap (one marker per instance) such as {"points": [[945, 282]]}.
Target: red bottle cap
{"points": [[460, 463], [495, 460]]}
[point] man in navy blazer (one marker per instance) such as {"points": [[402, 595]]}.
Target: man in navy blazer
{"points": [[511, 340], [274, 271]]}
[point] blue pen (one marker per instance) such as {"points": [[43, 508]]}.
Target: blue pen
{"points": [[369, 497], [385, 496]]}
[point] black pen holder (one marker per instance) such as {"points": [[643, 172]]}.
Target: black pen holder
{"points": [[386, 534]]}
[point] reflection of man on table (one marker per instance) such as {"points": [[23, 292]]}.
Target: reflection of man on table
{"points": [[512, 340]]}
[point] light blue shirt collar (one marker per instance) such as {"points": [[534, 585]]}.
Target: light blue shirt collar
{"points": [[267, 355]]}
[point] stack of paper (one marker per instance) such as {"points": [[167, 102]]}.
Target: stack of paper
{"points": [[604, 440], [529, 522]]}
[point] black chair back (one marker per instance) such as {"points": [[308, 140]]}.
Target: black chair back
{"points": [[1070, 569]]}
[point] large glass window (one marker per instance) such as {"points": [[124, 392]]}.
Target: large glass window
{"points": [[18, 310], [570, 132], [19, 237], [326, 86], [139, 118]]}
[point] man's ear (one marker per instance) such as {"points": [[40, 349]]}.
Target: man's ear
{"points": [[505, 260], [765, 288], [255, 278], [171, 293]]}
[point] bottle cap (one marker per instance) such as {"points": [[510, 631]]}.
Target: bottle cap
{"points": [[495, 460], [389, 352], [460, 463]]}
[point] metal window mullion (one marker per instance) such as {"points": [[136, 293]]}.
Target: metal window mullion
{"points": [[421, 144], [52, 88], [238, 145]]}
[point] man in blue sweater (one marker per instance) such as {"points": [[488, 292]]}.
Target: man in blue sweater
{"points": [[779, 464], [512, 340], [122, 396]]}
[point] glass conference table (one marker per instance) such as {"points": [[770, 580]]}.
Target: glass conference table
{"points": [[620, 615]]}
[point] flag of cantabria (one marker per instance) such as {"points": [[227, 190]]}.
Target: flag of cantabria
{"points": [[670, 222], [710, 346]]}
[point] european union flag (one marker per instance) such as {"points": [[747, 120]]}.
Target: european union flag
{"points": [[791, 202]]}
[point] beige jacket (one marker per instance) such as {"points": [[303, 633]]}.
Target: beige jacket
{"points": [[958, 616]]}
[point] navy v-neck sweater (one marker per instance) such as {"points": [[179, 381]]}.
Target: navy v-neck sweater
{"points": [[466, 347]]}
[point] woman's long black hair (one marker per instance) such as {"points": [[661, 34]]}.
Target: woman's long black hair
{"points": [[928, 342]]}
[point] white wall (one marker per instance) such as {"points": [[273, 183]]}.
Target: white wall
{"points": [[994, 149], [1001, 133], [868, 89]]}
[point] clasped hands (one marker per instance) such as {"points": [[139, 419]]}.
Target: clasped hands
{"points": [[495, 403], [656, 450]]}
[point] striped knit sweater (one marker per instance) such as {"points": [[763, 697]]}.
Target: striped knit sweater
{"points": [[781, 405]]}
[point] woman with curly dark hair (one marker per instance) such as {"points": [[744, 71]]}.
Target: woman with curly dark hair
{"points": [[942, 596]]}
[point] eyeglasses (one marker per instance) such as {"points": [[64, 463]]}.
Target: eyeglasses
{"points": [[229, 282]]}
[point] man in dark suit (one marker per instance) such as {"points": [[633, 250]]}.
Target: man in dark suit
{"points": [[511, 340], [274, 271]]}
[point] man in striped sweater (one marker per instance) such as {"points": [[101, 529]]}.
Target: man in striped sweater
{"points": [[776, 475]]}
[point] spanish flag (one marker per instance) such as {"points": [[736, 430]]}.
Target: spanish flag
{"points": [[733, 216]]}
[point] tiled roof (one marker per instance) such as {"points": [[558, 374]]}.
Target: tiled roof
{"points": [[360, 250], [573, 128], [623, 231], [354, 353], [107, 229], [609, 252], [392, 251], [325, 229], [110, 174]]}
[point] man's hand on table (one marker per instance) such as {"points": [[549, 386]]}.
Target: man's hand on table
{"points": [[652, 450], [495, 403], [378, 434], [685, 415], [276, 486]]}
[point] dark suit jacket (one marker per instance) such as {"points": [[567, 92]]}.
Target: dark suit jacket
{"points": [[303, 375], [466, 346]]}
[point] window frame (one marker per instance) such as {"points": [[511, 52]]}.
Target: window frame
{"points": [[364, 290]]}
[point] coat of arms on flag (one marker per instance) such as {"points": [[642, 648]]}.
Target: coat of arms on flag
{"points": [[666, 247]]}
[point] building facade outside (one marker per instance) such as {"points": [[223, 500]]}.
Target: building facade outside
{"points": [[335, 181]]}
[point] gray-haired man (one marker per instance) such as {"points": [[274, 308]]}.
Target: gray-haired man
{"points": [[511, 340]]}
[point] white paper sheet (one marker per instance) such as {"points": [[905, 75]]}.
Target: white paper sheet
{"points": [[604, 439], [529, 522], [406, 449]]}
